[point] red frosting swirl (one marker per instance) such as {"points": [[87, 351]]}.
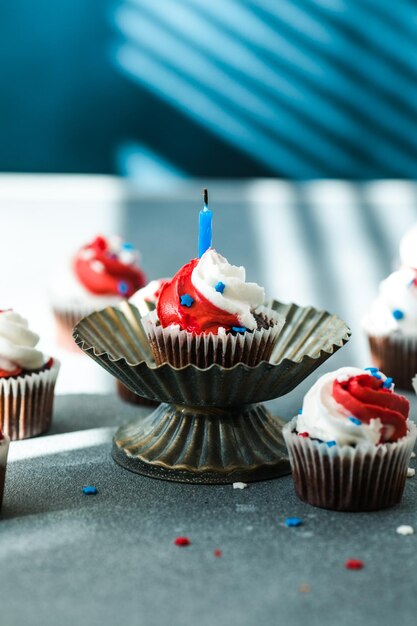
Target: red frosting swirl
{"points": [[201, 317], [366, 398], [102, 272]]}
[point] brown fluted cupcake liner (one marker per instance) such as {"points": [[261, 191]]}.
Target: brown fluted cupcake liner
{"points": [[64, 323], [4, 449], [396, 356], [26, 403], [349, 478], [180, 347], [131, 397]]}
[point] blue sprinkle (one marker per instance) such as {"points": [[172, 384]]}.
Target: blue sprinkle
{"points": [[330, 444], [127, 246], [377, 375], [293, 521], [220, 287], [373, 370], [355, 421], [186, 300], [300, 411], [388, 383], [90, 490], [239, 329], [122, 288], [397, 314]]}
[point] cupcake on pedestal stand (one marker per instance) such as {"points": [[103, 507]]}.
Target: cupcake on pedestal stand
{"points": [[211, 353]]}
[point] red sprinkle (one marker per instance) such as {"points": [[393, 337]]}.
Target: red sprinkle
{"points": [[217, 553], [182, 541], [354, 564], [303, 434]]}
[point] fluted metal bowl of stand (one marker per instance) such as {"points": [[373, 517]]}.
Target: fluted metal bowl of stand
{"points": [[211, 426]]}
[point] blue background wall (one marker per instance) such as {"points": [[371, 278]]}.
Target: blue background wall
{"points": [[159, 88]]}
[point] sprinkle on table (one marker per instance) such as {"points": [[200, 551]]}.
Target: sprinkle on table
{"points": [[182, 542], [304, 434], [186, 300], [239, 485], [355, 420], [89, 490], [292, 522], [397, 314], [405, 530], [217, 553], [330, 444], [239, 329], [220, 286], [354, 564], [410, 472]]}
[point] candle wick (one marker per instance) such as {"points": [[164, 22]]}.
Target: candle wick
{"points": [[205, 198]]}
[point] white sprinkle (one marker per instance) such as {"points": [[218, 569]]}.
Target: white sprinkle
{"points": [[239, 485], [405, 530], [97, 266], [413, 455], [410, 472]]}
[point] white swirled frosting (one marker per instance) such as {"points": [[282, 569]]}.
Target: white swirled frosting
{"points": [[17, 344], [395, 308], [238, 298], [323, 418]]}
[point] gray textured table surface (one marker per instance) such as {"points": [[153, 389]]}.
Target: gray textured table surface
{"points": [[72, 559]]}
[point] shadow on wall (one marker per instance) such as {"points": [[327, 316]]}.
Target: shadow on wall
{"points": [[223, 88]]}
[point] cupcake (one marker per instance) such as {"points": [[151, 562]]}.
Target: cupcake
{"points": [[351, 444], [391, 324], [4, 449], [208, 314], [102, 273], [27, 380], [145, 300]]}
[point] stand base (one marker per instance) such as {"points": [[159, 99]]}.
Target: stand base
{"points": [[204, 445]]}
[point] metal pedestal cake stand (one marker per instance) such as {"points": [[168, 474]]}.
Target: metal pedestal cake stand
{"points": [[211, 426]]}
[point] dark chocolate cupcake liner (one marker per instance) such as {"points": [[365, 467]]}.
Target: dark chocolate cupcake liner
{"points": [[130, 396], [180, 347], [349, 478], [26, 403], [396, 356]]}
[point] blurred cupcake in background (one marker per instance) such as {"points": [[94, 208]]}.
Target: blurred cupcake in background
{"points": [[351, 443], [391, 324], [145, 300], [102, 273], [27, 379]]}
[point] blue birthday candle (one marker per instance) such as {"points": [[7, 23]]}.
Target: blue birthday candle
{"points": [[204, 233]]}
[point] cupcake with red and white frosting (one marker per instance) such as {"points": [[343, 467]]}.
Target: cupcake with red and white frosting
{"points": [[351, 443], [27, 379], [145, 299], [207, 313], [103, 273]]}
